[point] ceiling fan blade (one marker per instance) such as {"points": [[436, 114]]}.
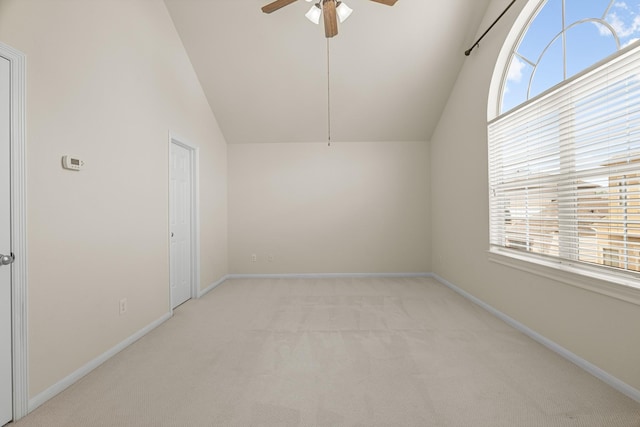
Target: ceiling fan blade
{"points": [[330, 18], [278, 4], [387, 2]]}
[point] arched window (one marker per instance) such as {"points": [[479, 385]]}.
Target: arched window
{"points": [[564, 38], [564, 154]]}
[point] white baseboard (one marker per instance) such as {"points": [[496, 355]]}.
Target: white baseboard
{"points": [[607, 378], [84, 370], [327, 275], [212, 286]]}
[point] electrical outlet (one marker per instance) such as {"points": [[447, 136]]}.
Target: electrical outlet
{"points": [[123, 306], [270, 258], [254, 258]]}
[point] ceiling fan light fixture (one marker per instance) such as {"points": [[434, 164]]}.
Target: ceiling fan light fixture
{"points": [[331, 11], [343, 11], [314, 14]]}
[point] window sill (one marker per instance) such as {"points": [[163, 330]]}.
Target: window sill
{"points": [[619, 286]]}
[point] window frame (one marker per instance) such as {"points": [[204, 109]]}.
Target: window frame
{"points": [[623, 285]]}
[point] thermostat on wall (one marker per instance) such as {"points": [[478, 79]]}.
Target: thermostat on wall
{"points": [[73, 163]]}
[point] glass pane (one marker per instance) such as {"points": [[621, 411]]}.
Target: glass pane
{"points": [[587, 44], [550, 70], [576, 10], [544, 27], [515, 90], [623, 17]]}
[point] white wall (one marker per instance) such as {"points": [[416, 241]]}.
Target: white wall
{"points": [[600, 329], [348, 208], [106, 81]]}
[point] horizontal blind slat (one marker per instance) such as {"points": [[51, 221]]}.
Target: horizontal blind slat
{"points": [[564, 170]]}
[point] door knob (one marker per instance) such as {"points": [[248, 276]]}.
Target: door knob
{"points": [[6, 259]]}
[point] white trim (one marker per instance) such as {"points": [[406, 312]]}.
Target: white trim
{"points": [[607, 378], [508, 47], [327, 275], [605, 283], [309, 276], [18, 230], [212, 286], [87, 368], [194, 155]]}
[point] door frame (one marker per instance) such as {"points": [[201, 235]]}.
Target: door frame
{"points": [[19, 327], [194, 157]]}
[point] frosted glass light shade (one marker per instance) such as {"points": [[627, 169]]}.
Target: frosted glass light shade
{"points": [[314, 14], [343, 11]]}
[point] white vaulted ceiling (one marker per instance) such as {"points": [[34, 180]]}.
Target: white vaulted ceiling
{"points": [[265, 76]]}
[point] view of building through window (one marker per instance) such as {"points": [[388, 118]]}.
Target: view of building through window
{"points": [[565, 169]]}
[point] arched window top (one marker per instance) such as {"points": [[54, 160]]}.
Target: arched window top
{"points": [[563, 38]]}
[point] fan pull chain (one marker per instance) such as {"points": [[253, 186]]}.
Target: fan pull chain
{"points": [[328, 97]]}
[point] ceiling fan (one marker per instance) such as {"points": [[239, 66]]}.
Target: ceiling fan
{"points": [[329, 9]]}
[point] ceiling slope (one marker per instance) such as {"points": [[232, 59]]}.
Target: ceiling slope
{"points": [[265, 76]]}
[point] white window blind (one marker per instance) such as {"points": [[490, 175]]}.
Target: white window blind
{"points": [[564, 170]]}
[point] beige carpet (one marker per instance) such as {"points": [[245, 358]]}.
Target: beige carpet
{"points": [[337, 352]]}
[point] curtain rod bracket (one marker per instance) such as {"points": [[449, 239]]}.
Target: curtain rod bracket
{"points": [[477, 43]]}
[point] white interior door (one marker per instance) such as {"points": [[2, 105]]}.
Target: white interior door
{"points": [[180, 223], [6, 388]]}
